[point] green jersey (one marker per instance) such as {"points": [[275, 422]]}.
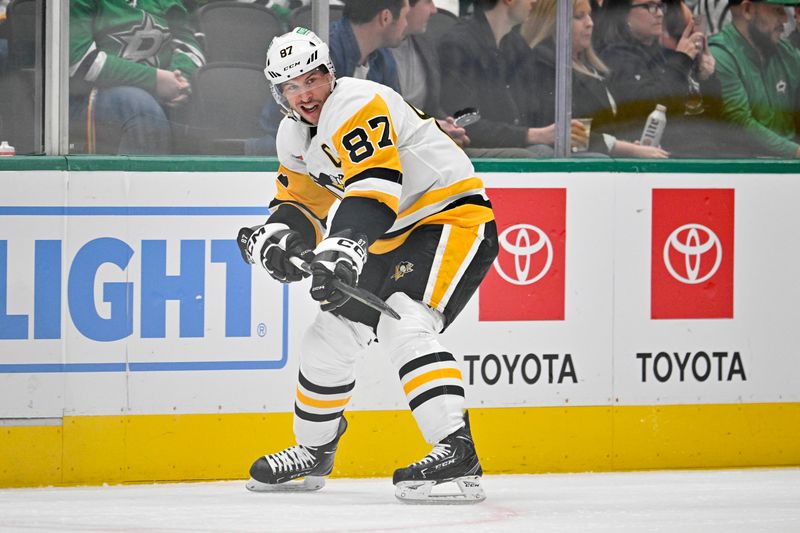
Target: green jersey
{"points": [[761, 96], [123, 42]]}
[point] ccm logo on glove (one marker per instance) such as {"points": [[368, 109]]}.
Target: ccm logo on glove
{"points": [[341, 258]]}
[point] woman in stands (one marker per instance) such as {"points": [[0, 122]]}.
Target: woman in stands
{"points": [[591, 97], [643, 73]]}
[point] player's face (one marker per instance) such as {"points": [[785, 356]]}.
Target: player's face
{"points": [[307, 93]]}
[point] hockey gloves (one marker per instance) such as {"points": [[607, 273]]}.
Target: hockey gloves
{"points": [[271, 246], [338, 257]]}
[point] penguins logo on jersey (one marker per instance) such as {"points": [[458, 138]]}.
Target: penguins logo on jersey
{"points": [[335, 184], [401, 269]]}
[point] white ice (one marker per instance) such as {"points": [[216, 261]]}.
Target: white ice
{"points": [[724, 501]]}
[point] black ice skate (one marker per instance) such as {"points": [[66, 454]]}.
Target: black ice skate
{"points": [[453, 459], [276, 472]]}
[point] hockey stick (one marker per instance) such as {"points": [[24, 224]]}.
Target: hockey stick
{"points": [[362, 295]]}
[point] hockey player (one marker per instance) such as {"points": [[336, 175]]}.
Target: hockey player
{"points": [[413, 226]]}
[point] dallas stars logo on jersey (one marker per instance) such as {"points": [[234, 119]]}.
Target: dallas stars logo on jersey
{"points": [[143, 42], [140, 36]]}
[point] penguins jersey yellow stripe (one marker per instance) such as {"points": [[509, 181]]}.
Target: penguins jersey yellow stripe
{"points": [[302, 189], [469, 185], [467, 215], [460, 245], [314, 201]]}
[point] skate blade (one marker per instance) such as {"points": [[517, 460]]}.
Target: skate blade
{"points": [[307, 484], [419, 492]]}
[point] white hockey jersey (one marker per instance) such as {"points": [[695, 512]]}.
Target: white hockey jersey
{"points": [[370, 143]]}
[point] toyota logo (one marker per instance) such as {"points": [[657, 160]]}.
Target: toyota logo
{"points": [[516, 240], [693, 242]]}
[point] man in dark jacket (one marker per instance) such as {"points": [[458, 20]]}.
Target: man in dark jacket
{"points": [[360, 40], [418, 61], [476, 73], [418, 69]]}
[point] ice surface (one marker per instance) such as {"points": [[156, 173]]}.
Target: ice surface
{"points": [[722, 501]]}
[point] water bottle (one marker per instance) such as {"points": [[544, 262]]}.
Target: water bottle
{"points": [[7, 149], [654, 127]]}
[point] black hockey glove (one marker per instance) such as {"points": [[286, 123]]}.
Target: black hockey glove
{"points": [[271, 246], [338, 257]]}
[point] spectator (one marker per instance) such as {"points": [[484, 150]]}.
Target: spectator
{"points": [[598, 13], [477, 74], [418, 69], [361, 39], [760, 74], [591, 97], [130, 68], [643, 73], [701, 131], [418, 62]]}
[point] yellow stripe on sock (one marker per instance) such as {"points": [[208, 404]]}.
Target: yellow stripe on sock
{"points": [[439, 373], [322, 404]]}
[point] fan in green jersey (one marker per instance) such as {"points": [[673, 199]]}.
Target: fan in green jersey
{"points": [[130, 66]]}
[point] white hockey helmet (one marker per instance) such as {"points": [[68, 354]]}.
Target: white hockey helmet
{"points": [[291, 55]]}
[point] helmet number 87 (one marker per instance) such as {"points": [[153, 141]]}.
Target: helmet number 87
{"points": [[358, 144], [286, 51]]}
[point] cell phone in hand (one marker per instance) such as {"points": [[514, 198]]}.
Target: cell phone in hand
{"points": [[465, 117], [700, 23]]}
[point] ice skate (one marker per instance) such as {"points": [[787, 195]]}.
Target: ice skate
{"points": [[454, 460], [280, 472]]}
